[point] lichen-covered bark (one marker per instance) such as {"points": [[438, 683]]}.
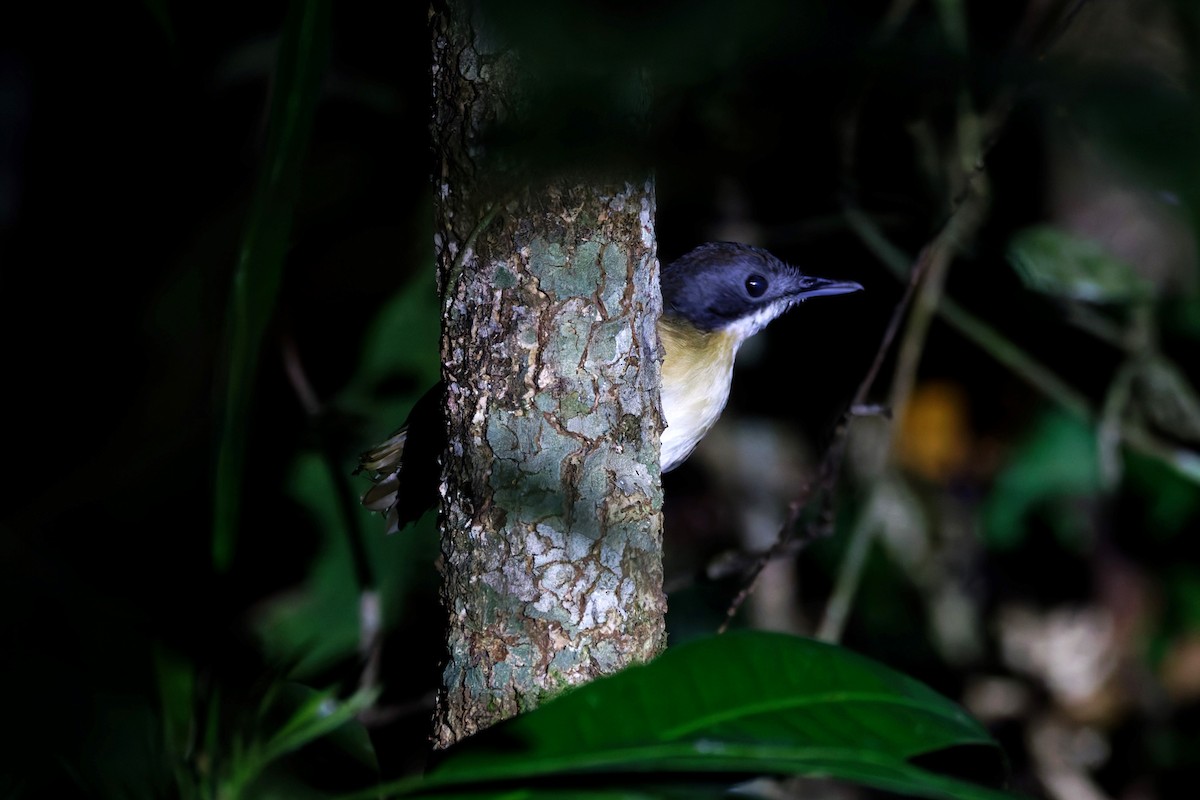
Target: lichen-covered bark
{"points": [[551, 525]]}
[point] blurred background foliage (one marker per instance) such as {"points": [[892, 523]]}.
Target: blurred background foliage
{"points": [[1020, 535]]}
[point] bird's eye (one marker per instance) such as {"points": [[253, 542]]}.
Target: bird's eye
{"points": [[756, 286]]}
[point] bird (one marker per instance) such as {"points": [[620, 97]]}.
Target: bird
{"points": [[715, 297]]}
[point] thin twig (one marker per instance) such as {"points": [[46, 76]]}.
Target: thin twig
{"points": [[837, 610], [985, 134], [831, 464], [964, 163]]}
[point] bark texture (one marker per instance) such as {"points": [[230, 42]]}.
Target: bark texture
{"points": [[551, 524]]}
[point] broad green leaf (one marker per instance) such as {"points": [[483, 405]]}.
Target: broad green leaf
{"points": [[297, 80], [317, 623], [1171, 499], [404, 337], [1058, 460], [402, 342], [1054, 262], [726, 708]]}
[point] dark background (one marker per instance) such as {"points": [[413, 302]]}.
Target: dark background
{"points": [[130, 138]]}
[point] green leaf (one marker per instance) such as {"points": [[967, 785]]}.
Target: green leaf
{"points": [[250, 760], [404, 336], [176, 679], [1171, 499], [297, 81], [721, 709], [1058, 460], [1167, 399], [1054, 262], [319, 714], [402, 342], [315, 624]]}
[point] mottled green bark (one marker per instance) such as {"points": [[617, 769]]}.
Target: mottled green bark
{"points": [[551, 525]]}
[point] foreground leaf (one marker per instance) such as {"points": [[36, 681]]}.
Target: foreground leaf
{"points": [[722, 710]]}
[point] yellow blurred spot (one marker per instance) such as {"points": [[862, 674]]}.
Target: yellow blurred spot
{"points": [[934, 438]]}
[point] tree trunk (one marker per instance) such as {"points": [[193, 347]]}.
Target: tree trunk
{"points": [[550, 525]]}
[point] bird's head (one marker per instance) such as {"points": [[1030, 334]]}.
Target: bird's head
{"points": [[737, 289]]}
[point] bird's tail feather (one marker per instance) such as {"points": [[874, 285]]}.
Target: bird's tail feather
{"points": [[404, 467]]}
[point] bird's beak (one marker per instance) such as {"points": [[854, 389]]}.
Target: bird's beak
{"points": [[820, 287]]}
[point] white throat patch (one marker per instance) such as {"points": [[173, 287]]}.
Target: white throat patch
{"points": [[746, 327]]}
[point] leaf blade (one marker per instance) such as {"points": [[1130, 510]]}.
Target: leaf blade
{"points": [[299, 71], [746, 703]]}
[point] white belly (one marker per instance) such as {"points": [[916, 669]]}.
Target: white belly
{"points": [[694, 393]]}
